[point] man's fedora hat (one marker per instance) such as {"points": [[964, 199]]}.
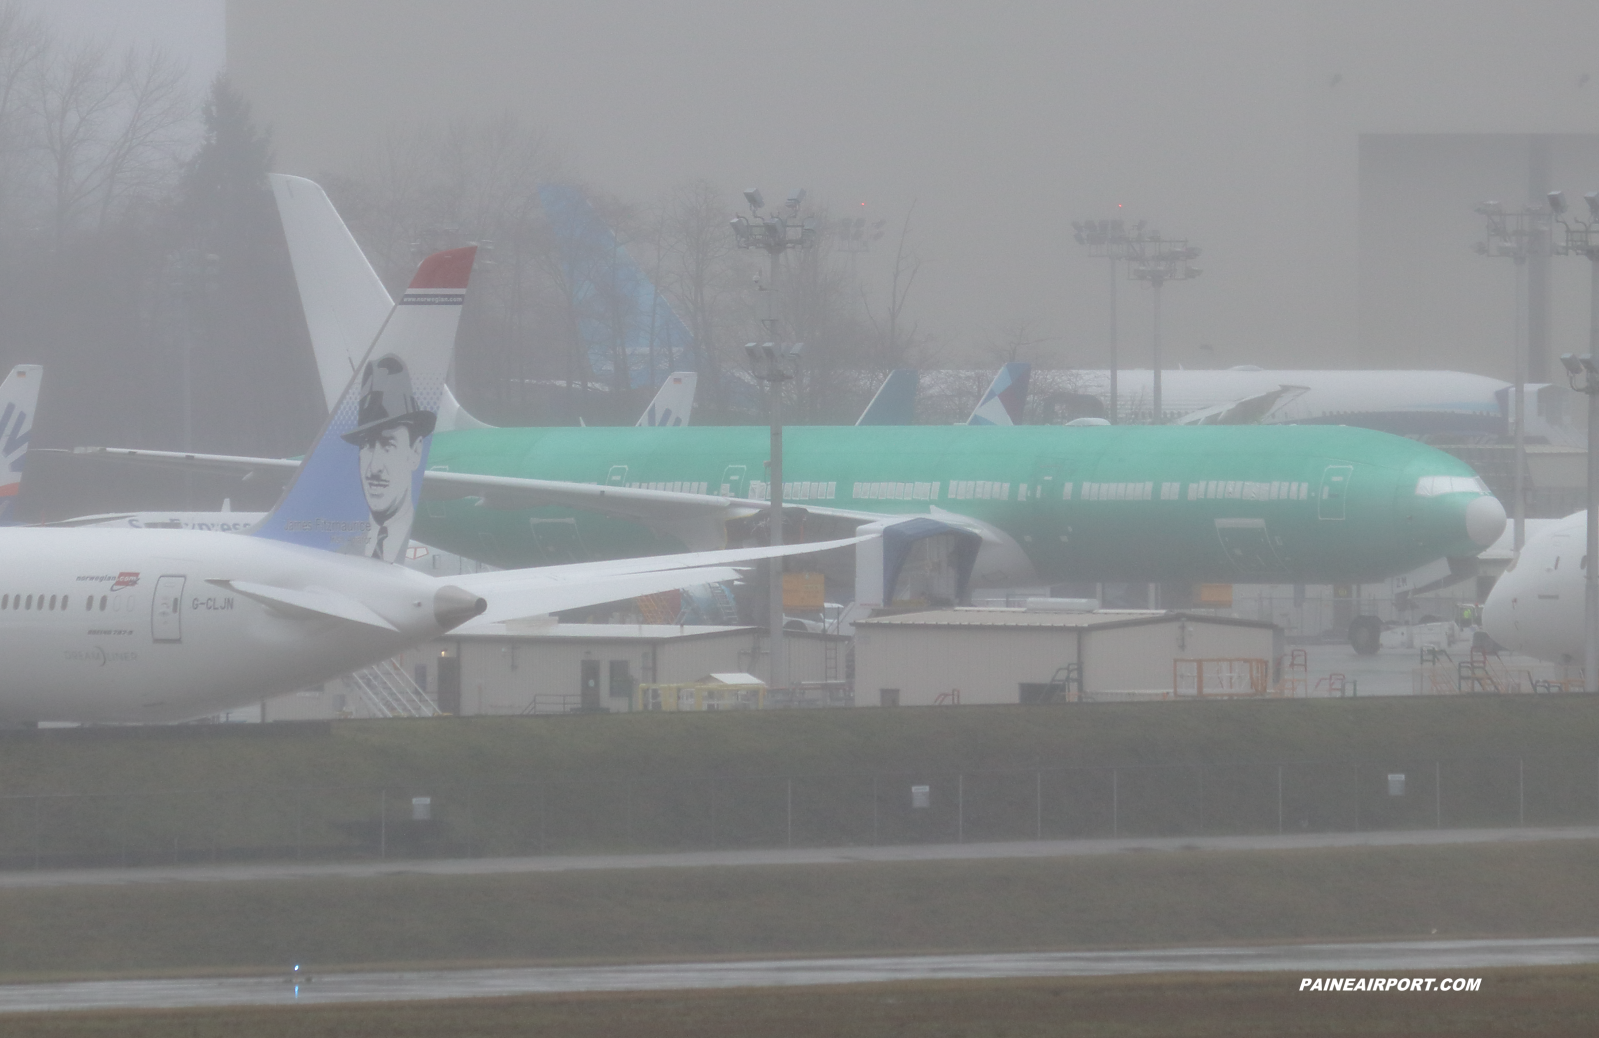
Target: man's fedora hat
{"points": [[387, 399]]}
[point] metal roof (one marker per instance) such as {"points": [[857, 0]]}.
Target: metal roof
{"points": [[1103, 619]]}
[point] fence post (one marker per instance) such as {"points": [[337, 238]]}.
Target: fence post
{"points": [[791, 812], [1201, 800], [1038, 804], [38, 830], [1438, 794], [960, 807], [875, 836], [1521, 791], [1279, 800], [383, 823], [1115, 808], [1357, 798]]}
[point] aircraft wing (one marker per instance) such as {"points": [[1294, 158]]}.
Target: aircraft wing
{"points": [[697, 520], [1250, 410], [212, 464], [516, 593]]}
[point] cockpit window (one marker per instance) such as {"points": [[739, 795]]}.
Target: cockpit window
{"points": [[1432, 486]]}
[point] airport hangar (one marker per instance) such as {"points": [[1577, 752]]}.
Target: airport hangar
{"points": [[540, 666], [965, 656]]}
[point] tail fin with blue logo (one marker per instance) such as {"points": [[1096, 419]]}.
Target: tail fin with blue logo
{"points": [[19, 399], [673, 402], [1006, 397], [356, 491]]}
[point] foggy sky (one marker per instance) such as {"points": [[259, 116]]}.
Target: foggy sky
{"points": [[1233, 124]]}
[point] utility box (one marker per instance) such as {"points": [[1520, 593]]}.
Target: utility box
{"points": [[921, 797], [421, 809], [1396, 785]]}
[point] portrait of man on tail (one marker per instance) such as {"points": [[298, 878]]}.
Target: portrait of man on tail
{"points": [[391, 432]]}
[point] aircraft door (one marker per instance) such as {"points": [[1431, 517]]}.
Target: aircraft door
{"points": [[1334, 491], [617, 477], [732, 476], [1050, 476], [1248, 545], [166, 611]]}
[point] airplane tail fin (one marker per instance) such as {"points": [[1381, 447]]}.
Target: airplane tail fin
{"points": [[356, 491], [344, 300], [19, 399], [453, 417], [1006, 397], [895, 400], [673, 402]]}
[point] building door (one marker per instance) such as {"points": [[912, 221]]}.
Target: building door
{"points": [[450, 684], [166, 612], [1334, 490], [589, 692]]}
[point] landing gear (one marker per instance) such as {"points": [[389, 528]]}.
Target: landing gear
{"points": [[1365, 634]]}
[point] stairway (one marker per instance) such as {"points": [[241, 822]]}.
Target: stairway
{"points": [[388, 691]]}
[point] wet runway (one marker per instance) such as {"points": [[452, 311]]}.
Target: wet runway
{"points": [[1424, 958], [780, 856]]}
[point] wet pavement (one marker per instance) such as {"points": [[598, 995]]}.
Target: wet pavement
{"points": [[1425, 958]]}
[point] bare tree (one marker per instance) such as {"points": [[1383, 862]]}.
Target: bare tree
{"points": [[109, 128], [896, 342]]}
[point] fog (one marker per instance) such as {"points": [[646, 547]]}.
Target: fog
{"points": [[1235, 125]]}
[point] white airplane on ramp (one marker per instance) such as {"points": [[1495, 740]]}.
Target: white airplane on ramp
{"points": [[101, 625]]}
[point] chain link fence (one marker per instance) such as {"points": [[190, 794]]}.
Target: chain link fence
{"points": [[610, 813]]}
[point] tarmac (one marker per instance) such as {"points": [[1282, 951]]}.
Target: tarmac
{"points": [[1440, 959]]}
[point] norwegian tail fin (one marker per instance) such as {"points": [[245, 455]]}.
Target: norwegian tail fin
{"points": [[356, 491], [19, 399], [673, 402], [1006, 397], [895, 400]]}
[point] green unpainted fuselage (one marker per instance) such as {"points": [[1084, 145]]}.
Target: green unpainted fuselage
{"points": [[1137, 503]]}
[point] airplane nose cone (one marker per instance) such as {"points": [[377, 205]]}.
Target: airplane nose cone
{"points": [[1485, 521]]}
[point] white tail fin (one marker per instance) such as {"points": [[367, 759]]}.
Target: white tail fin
{"points": [[357, 489], [19, 399], [344, 299], [673, 402]]}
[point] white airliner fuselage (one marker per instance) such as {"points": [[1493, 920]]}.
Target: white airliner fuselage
{"points": [[108, 625], [1536, 607]]}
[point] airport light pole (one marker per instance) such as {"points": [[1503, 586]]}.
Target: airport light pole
{"points": [[1514, 234], [1107, 239], [1581, 238], [774, 363], [1158, 260]]}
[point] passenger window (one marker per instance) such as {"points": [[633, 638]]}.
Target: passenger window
{"points": [[52, 603], [5, 601], [88, 604], [102, 603], [30, 602]]}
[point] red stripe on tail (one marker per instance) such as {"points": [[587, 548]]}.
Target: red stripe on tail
{"points": [[449, 269]]}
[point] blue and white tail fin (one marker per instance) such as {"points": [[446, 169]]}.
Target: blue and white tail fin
{"points": [[895, 400], [356, 491], [1006, 397], [673, 402], [19, 399]]}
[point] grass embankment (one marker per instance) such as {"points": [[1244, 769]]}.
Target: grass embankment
{"points": [[1181, 897], [1543, 1002], [512, 785]]}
